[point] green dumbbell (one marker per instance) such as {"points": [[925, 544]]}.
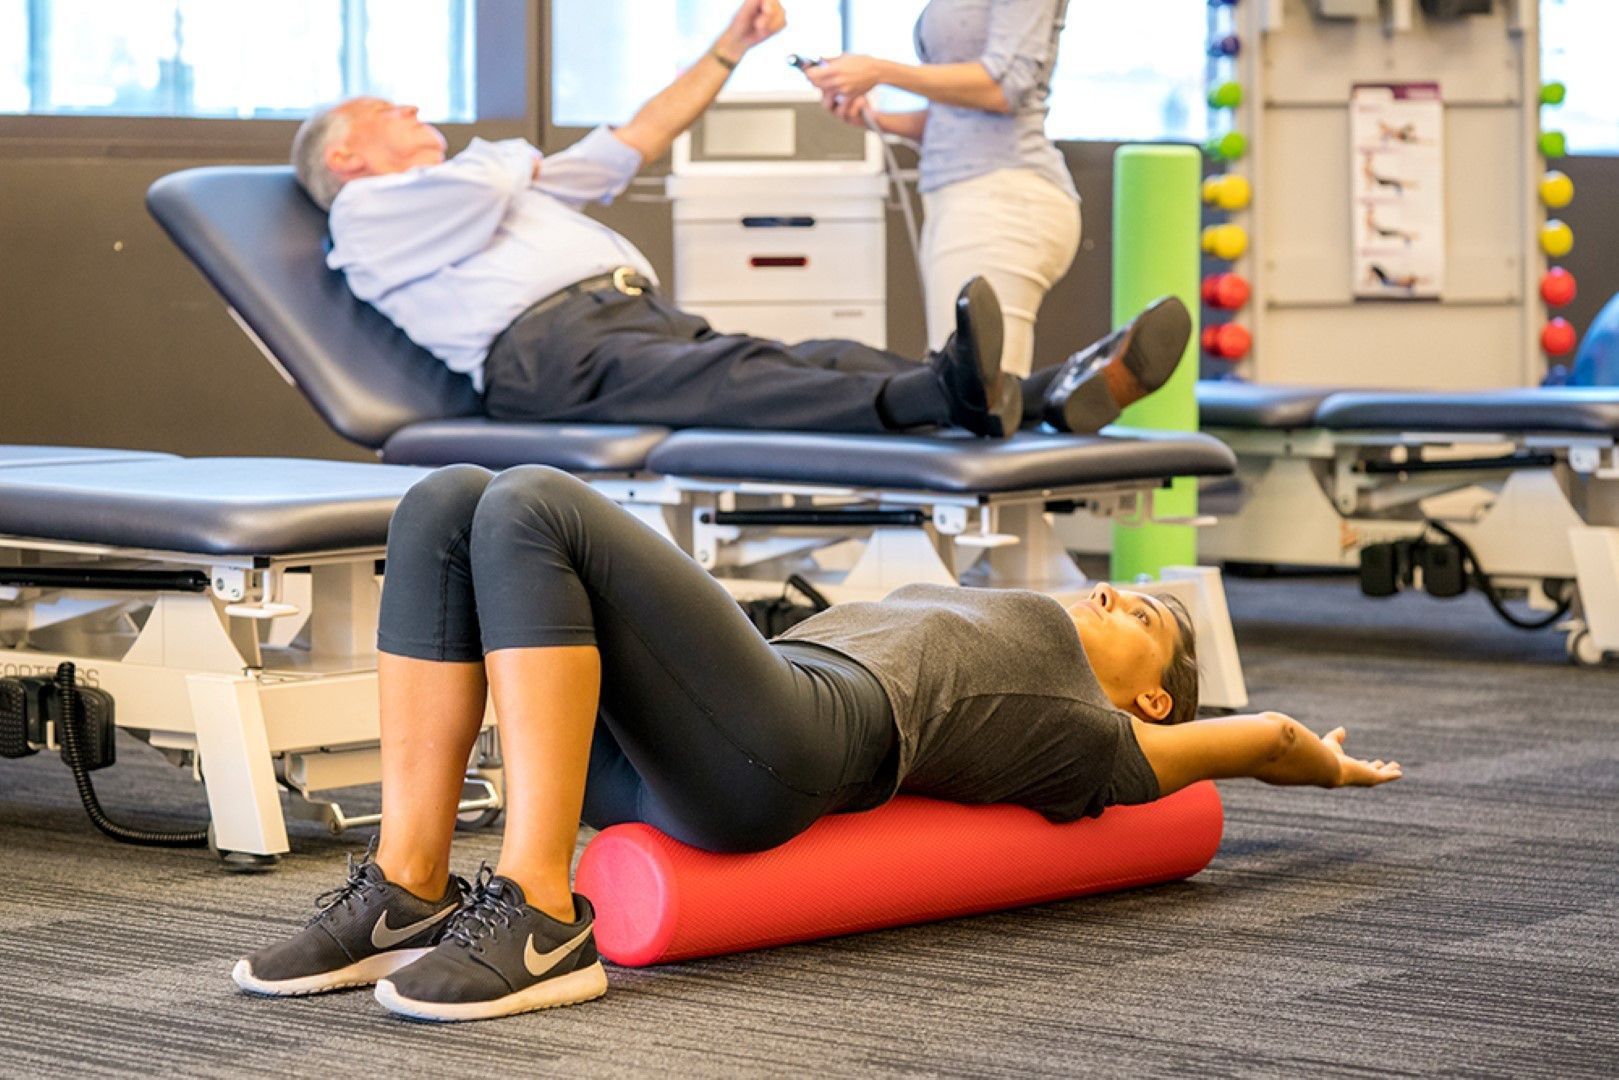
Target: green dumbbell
{"points": [[1228, 95], [1228, 147], [1553, 93]]}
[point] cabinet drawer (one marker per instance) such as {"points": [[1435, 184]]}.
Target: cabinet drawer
{"points": [[865, 323], [826, 261]]}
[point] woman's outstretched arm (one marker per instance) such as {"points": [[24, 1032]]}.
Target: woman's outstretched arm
{"points": [[1268, 746]]}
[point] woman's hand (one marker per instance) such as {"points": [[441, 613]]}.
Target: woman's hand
{"points": [[851, 110], [1353, 772], [848, 76]]}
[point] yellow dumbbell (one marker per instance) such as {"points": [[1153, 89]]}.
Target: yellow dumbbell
{"points": [[1556, 189], [1226, 242], [1556, 239], [1228, 192]]}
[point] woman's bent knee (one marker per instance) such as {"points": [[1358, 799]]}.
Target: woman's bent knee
{"points": [[526, 499], [440, 504]]}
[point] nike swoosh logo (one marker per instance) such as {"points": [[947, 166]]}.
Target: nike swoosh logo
{"points": [[538, 964], [384, 936]]}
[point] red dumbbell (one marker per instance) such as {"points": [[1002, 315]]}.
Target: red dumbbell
{"points": [[1226, 292], [1558, 287], [1227, 341], [1558, 338]]}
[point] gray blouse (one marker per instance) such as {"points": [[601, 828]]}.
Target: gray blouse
{"points": [[1016, 41]]}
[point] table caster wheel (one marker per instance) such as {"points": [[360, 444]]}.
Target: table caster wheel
{"points": [[1582, 649], [478, 819], [240, 862]]}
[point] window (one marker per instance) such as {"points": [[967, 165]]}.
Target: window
{"points": [[609, 56], [13, 56], [887, 29], [233, 58], [1124, 71], [1576, 49], [1129, 72]]}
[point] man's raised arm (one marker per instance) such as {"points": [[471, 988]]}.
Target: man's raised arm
{"points": [[677, 107]]}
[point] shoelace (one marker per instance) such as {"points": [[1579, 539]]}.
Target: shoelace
{"points": [[485, 910], [345, 894]]}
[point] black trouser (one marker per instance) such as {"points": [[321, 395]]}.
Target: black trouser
{"points": [[706, 731], [607, 357]]}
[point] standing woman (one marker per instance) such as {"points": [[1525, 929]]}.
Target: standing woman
{"points": [[997, 195]]}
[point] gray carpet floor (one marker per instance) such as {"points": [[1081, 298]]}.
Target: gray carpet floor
{"points": [[1461, 922]]}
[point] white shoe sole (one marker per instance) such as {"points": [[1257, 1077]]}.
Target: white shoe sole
{"points": [[362, 973], [586, 984]]}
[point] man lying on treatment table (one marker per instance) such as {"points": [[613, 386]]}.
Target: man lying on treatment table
{"points": [[486, 260]]}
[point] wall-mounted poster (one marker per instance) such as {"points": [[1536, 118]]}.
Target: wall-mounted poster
{"points": [[1397, 160]]}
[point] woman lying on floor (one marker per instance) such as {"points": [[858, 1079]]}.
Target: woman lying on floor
{"points": [[629, 686]]}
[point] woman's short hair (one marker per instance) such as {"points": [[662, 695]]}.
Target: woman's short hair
{"points": [[309, 154], [1180, 674]]}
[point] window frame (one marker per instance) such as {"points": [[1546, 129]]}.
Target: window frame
{"points": [[506, 104], [555, 137]]}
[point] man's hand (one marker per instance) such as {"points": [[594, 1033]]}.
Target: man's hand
{"points": [[848, 76], [753, 22], [1353, 772]]}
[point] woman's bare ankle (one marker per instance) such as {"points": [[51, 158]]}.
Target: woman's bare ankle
{"points": [[549, 893], [424, 878]]}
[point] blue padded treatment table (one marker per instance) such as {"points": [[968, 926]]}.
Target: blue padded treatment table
{"points": [[262, 244], [13, 457], [1229, 404], [204, 506], [950, 462], [1525, 410], [1567, 410]]}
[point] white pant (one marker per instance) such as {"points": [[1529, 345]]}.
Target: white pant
{"points": [[1013, 226]]}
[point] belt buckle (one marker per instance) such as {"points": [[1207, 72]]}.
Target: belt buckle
{"points": [[621, 281]]}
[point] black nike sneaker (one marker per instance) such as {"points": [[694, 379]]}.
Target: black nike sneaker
{"points": [[500, 957], [366, 928]]}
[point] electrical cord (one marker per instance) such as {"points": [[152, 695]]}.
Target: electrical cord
{"points": [[901, 193], [1487, 587], [73, 750]]}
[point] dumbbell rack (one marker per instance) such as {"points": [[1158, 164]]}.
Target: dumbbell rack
{"points": [[1295, 71]]}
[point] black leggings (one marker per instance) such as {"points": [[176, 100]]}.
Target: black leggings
{"points": [[706, 731]]}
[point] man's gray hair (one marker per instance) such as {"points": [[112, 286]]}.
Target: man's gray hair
{"points": [[309, 154]]}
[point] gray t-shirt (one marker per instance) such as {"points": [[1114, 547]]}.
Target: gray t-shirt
{"points": [[993, 698], [1016, 41]]}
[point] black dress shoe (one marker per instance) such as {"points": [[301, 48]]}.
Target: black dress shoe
{"points": [[969, 367], [1150, 347]]}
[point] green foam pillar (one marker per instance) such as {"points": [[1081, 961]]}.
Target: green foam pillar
{"points": [[1157, 213]]}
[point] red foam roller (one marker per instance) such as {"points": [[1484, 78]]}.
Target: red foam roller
{"points": [[913, 860]]}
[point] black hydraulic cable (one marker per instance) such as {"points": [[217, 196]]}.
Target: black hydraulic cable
{"points": [[824, 518], [1422, 465], [72, 751], [1487, 587]]}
